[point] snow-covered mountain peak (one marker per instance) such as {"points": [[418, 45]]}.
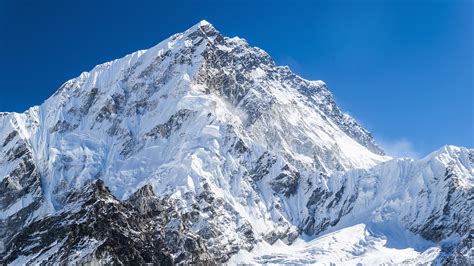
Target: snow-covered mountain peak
{"points": [[209, 141], [458, 161], [203, 26], [448, 151]]}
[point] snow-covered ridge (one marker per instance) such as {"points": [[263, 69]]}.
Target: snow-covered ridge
{"points": [[223, 150]]}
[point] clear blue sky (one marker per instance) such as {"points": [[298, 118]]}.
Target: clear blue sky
{"points": [[403, 68]]}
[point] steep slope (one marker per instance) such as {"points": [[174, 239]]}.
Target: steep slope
{"points": [[92, 226], [21, 194], [206, 139], [370, 211]]}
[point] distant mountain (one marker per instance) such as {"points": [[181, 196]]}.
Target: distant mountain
{"points": [[201, 149]]}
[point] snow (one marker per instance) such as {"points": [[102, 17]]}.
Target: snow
{"points": [[39, 258], [354, 245], [258, 73], [17, 206], [267, 110]]}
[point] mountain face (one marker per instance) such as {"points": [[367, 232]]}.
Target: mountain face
{"points": [[202, 150]]}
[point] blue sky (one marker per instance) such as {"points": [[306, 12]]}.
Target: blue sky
{"points": [[403, 68]]}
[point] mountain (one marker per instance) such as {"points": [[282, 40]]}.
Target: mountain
{"points": [[202, 150]]}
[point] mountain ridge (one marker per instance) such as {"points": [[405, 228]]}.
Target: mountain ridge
{"points": [[225, 150]]}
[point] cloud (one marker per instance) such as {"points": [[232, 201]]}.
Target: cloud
{"points": [[399, 148]]}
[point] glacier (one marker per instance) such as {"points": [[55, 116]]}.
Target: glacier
{"points": [[202, 150]]}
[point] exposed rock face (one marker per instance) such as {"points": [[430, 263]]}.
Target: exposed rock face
{"points": [[201, 147], [93, 226]]}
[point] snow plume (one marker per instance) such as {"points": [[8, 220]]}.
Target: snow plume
{"points": [[400, 148]]}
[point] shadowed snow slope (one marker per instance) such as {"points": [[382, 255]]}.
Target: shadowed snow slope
{"points": [[204, 148]]}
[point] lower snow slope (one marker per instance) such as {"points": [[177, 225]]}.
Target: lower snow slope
{"points": [[354, 245]]}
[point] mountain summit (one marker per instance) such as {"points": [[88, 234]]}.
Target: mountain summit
{"points": [[201, 149]]}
